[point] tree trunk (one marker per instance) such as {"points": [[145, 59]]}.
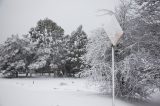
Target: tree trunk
{"points": [[49, 73], [26, 74]]}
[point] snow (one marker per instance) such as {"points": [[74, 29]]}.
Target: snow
{"points": [[52, 92]]}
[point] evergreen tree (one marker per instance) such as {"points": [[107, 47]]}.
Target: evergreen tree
{"points": [[77, 48], [13, 55], [46, 38]]}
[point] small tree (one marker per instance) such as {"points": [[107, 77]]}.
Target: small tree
{"points": [[98, 57]]}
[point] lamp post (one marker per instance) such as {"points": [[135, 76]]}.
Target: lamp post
{"points": [[114, 32]]}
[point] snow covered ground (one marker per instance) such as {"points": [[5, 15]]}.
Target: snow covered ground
{"points": [[51, 92]]}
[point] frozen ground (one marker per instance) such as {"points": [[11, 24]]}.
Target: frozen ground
{"points": [[51, 92]]}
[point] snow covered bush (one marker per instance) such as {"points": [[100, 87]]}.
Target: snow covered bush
{"points": [[136, 77]]}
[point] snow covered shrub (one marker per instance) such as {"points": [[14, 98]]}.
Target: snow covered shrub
{"points": [[135, 77]]}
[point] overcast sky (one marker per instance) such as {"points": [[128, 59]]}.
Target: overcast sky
{"points": [[18, 16]]}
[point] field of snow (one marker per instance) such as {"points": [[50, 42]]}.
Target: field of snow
{"points": [[51, 92]]}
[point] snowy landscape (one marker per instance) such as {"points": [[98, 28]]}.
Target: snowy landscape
{"points": [[52, 92], [80, 53]]}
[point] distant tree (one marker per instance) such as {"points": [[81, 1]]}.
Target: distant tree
{"points": [[77, 48], [14, 54], [47, 39]]}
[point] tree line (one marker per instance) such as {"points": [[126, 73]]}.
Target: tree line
{"points": [[45, 49]]}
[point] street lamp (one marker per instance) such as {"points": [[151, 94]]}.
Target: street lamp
{"points": [[114, 32]]}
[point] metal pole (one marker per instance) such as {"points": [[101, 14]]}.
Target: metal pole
{"points": [[113, 92]]}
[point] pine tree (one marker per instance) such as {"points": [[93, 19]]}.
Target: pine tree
{"points": [[77, 48], [46, 38], [13, 55]]}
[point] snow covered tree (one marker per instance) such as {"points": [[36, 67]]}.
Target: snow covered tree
{"points": [[45, 50], [98, 57], [13, 55], [77, 48], [141, 26], [136, 55], [136, 76], [47, 39]]}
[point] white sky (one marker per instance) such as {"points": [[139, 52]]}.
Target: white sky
{"points": [[18, 16]]}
